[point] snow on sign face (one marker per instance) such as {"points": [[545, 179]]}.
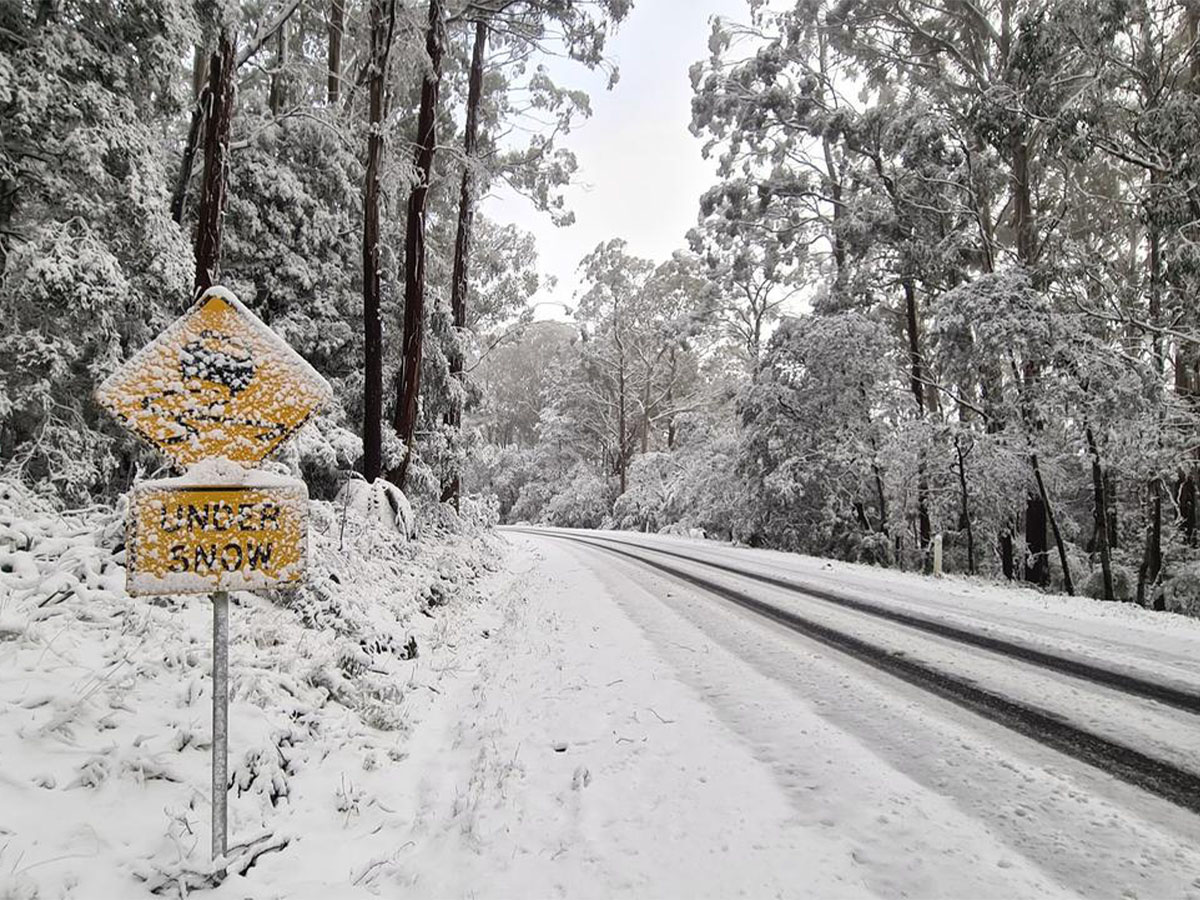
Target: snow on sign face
{"points": [[201, 539], [217, 383]]}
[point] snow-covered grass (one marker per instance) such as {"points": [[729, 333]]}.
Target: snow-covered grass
{"points": [[105, 723]]}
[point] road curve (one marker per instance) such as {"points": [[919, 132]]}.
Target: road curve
{"points": [[956, 664]]}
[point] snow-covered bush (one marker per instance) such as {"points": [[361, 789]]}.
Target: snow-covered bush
{"points": [[326, 454], [1181, 592], [379, 502], [647, 497], [1081, 571], [584, 501], [107, 727], [1124, 583]]}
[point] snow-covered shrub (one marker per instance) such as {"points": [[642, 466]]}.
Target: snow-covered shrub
{"points": [[531, 502], [1081, 570], [1181, 592], [583, 502], [326, 454], [643, 506], [109, 718], [379, 502], [1124, 583]]}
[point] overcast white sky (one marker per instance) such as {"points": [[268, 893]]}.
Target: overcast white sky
{"points": [[640, 170]]}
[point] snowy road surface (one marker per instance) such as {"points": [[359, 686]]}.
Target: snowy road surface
{"points": [[633, 733]]}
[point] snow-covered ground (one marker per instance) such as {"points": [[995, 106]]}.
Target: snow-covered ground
{"points": [[105, 725], [572, 725], [1121, 636], [822, 778]]}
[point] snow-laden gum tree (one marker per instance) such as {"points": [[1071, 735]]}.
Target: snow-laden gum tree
{"points": [[943, 288]]}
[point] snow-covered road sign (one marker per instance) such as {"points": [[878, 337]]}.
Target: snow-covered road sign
{"points": [[224, 538], [216, 383]]}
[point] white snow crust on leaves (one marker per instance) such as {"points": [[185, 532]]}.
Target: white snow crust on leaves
{"points": [[105, 702]]}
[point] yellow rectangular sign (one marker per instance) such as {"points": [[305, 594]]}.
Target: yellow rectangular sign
{"points": [[186, 540]]}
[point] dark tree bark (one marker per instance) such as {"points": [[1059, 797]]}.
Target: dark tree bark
{"points": [[408, 377], [1007, 561], [337, 25], [1148, 571], [965, 514], [462, 243], [382, 13], [179, 196], [1048, 512], [917, 382], [218, 121], [1100, 514], [201, 93], [276, 96], [1036, 511]]}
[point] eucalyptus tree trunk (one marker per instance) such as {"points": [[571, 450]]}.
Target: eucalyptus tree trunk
{"points": [[381, 14], [462, 244], [337, 26], [278, 90], [408, 377], [1100, 514], [1148, 572], [965, 513], [218, 117], [917, 382]]}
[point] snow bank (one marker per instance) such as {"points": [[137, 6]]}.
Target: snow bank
{"points": [[106, 705]]}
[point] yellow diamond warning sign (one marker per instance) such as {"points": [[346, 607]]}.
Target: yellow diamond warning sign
{"points": [[199, 539], [217, 383]]}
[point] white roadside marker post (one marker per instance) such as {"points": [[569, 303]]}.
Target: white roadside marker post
{"points": [[220, 725], [937, 555], [218, 391]]}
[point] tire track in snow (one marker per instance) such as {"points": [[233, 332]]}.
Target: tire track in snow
{"points": [[1127, 683], [1172, 783]]}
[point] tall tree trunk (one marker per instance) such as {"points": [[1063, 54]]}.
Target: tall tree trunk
{"points": [[917, 382], [337, 25], [1044, 497], [199, 70], [1007, 553], [965, 515], [1036, 511], [188, 160], [1111, 521], [622, 425], [219, 119], [381, 13], [276, 96], [408, 377], [462, 247], [1148, 571], [1100, 507]]}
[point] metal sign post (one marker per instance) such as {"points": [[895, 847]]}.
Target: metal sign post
{"points": [[218, 384], [220, 725]]}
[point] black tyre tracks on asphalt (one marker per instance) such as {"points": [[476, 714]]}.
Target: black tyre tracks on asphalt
{"points": [[1163, 779]]}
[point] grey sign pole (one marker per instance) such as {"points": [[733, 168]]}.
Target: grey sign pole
{"points": [[220, 723]]}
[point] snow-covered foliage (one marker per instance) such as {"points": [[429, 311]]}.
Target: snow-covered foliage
{"points": [[106, 697], [991, 336]]}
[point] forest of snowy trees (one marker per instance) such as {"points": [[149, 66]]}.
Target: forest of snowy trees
{"points": [[945, 283], [322, 158]]}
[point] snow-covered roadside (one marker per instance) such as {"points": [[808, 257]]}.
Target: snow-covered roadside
{"points": [[1120, 635], [598, 757], [105, 707]]}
